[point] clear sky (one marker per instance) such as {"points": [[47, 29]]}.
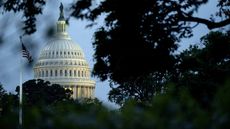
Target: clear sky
{"points": [[10, 50]]}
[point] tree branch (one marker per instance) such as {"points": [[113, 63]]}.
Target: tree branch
{"points": [[210, 24]]}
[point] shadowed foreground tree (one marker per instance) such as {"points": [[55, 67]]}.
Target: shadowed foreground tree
{"points": [[2, 91], [39, 92], [8, 101], [138, 39], [174, 110], [203, 70]]}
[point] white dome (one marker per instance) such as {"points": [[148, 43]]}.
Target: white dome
{"points": [[61, 44], [61, 48], [62, 62]]}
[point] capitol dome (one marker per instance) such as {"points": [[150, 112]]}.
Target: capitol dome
{"points": [[62, 62]]}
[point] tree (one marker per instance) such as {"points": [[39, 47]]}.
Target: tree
{"points": [[29, 8], [138, 37], [170, 111], [138, 40], [8, 101], [142, 90], [145, 30], [2, 91], [40, 92], [204, 70]]}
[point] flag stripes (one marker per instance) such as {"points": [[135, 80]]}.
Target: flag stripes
{"points": [[26, 53]]}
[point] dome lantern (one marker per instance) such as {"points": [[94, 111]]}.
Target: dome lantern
{"points": [[61, 24]]}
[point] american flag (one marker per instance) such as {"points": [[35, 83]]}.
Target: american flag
{"points": [[26, 53]]}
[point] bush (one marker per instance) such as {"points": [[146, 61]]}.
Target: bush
{"points": [[174, 110]]}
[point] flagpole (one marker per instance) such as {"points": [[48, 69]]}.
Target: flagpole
{"points": [[20, 92]]}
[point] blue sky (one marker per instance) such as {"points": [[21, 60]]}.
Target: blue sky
{"points": [[10, 54]]}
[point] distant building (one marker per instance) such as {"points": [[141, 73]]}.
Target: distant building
{"points": [[62, 62]]}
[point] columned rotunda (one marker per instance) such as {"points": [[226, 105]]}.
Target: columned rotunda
{"points": [[62, 62]]}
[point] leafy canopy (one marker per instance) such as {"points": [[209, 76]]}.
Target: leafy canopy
{"points": [[39, 92]]}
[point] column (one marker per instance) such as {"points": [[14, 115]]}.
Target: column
{"points": [[74, 92], [88, 92], [79, 91], [93, 92]]}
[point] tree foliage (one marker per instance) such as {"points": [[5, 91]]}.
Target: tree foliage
{"points": [[2, 90], [8, 101], [38, 92], [139, 38], [29, 8], [203, 70], [169, 111]]}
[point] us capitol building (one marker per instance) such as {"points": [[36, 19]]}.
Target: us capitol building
{"points": [[62, 62]]}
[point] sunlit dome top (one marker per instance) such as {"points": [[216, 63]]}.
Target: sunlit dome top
{"points": [[61, 45], [61, 48]]}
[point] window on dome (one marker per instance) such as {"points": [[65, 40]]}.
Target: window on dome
{"points": [[66, 73], [46, 73], [78, 73], [56, 53], [53, 52], [51, 73], [60, 53], [75, 73], [56, 73], [61, 74], [75, 53], [70, 73], [64, 53], [68, 53]]}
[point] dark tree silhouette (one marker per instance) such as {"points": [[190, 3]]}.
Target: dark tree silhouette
{"points": [[8, 101], [138, 39], [203, 70], [139, 36], [2, 91], [40, 92]]}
